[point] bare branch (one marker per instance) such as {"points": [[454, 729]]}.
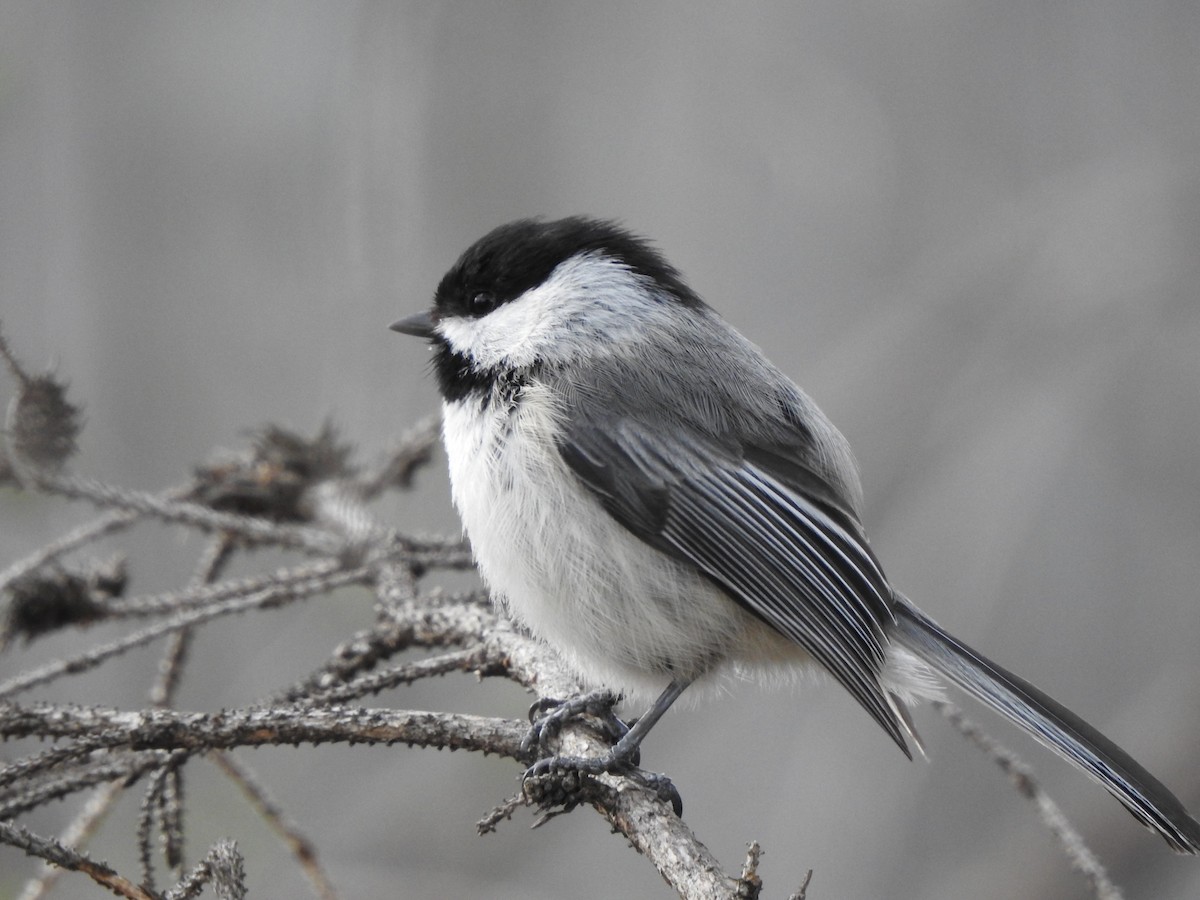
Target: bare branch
{"points": [[651, 827], [195, 732]]}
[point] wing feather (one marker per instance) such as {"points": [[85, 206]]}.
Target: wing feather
{"points": [[797, 562]]}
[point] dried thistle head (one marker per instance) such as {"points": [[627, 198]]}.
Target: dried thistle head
{"points": [[43, 425], [273, 479], [51, 599]]}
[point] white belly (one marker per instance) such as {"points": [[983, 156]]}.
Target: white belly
{"points": [[620, 612]]}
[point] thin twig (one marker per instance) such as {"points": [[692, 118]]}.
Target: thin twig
{"points": [[170, 667], [469, 660], [1080, 857], [194, 514], [166, 801], [31, 766], [145, 826], [66, 858], [395, 589], [413, 450], [267, 597], [802, 892], [749, 884], [107, 524], [222, 867], [501, 813], [304, 851], [57, 785], [170, 819], [82, 827], [436, 620], [200, 595]]}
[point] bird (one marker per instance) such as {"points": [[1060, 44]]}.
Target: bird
{"points": [[650, 496]]}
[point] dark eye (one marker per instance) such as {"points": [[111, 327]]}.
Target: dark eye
{"points": [[482, 303]]}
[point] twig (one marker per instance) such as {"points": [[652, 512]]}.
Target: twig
{"points": [[300, 846], [436, 620], [395, 589], [503, 812], [802, 892], [66, 858], [56, 785], [749, 885], [413, 450], [81, 828], [469, 660], [1080, 857], [195, 732], [222, 867], [201, 595], [107, 524], [145, 826], [31, 766], [270, 596], [170, 667], [194, 514], [165, 799], [650, 826]]}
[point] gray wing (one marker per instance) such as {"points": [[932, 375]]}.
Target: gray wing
{"points": [[763, 525]]}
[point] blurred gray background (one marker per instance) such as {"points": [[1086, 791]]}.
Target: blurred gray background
{"points": [[970, 229]]}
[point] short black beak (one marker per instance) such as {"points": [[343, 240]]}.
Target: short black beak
{"points": [[420, 325]]}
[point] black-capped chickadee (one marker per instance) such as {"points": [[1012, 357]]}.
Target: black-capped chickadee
{"points": [[654, 499]]}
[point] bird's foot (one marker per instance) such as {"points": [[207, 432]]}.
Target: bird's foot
{"points": [[548, 716], [567, 781]]}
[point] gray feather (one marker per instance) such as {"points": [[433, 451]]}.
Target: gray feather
{"points": [[730, 484]]}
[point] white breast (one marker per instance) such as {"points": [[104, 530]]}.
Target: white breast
{"points": [[620, 612]]}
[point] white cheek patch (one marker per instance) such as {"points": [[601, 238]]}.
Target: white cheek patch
{"points": [[584, 297], [507, 336]]}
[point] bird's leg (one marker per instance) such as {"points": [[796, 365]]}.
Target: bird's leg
{"points": [[621, 757]]}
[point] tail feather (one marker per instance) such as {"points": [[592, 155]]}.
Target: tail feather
{"points": [[1050, 723]]}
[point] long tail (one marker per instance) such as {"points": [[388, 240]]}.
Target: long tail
{"points": [[1050, 723]]}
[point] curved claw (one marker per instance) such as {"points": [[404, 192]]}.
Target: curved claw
{"points": [[541, 725], [542, 705], [663, 788]]}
